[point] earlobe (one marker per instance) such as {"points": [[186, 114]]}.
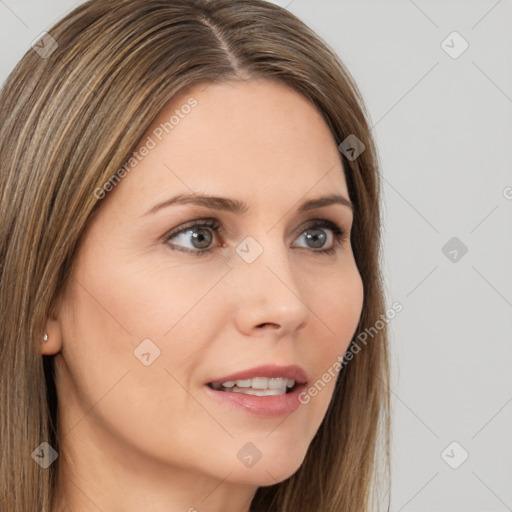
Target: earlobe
{"points": [[51, 341], [50, 344]]}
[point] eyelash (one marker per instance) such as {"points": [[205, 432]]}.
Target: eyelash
{"points": [[340, 235]]}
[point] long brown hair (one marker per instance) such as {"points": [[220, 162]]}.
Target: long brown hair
{"points": [[69, 120]]}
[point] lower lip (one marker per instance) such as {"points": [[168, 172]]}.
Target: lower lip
{"points": [[268, 406]]}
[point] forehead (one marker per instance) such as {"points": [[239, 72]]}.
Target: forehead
{"points": [[239, 139]]}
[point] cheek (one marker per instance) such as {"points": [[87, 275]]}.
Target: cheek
{"points": [[107, 317], [338, 311], [153, 298], [119, 310]]}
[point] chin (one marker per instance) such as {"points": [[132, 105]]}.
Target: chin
{"points": [[264, 476], [273, 470]]}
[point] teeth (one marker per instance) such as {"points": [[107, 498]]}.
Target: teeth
{"points": [[262, 383], [259, 386], [259, 392], [257, 383]]}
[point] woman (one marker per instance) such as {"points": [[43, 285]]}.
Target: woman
{"points": [[136, 136]]}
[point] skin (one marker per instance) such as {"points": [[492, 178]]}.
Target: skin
{"points": [[136, 437]]}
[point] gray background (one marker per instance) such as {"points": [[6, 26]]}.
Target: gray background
{"points": [[443, 127]]}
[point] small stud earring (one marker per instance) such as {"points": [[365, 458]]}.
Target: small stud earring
{"points": [[45, 337]]}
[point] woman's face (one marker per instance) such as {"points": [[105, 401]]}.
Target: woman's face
{"points": [[155, 312]]}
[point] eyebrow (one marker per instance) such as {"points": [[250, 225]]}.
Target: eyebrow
{"points": [[239, 207]]}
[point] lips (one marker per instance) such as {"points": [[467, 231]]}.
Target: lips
{"points": [[263, 403]]}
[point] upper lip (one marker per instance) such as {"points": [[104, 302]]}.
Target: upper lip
{"points": [[270, 371]]}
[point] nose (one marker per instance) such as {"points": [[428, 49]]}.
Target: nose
{"points": [[267, 293]]}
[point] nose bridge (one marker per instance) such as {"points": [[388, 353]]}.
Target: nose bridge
{"points": [[269, 290], [263, 255]]}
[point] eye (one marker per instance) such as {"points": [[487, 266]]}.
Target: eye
{"points": [[315, 235], [200, 234]]}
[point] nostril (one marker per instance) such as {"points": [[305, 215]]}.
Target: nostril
{"points": [[267, 323]]}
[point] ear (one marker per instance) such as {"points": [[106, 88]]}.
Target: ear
{"points": [[53, 330]]}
